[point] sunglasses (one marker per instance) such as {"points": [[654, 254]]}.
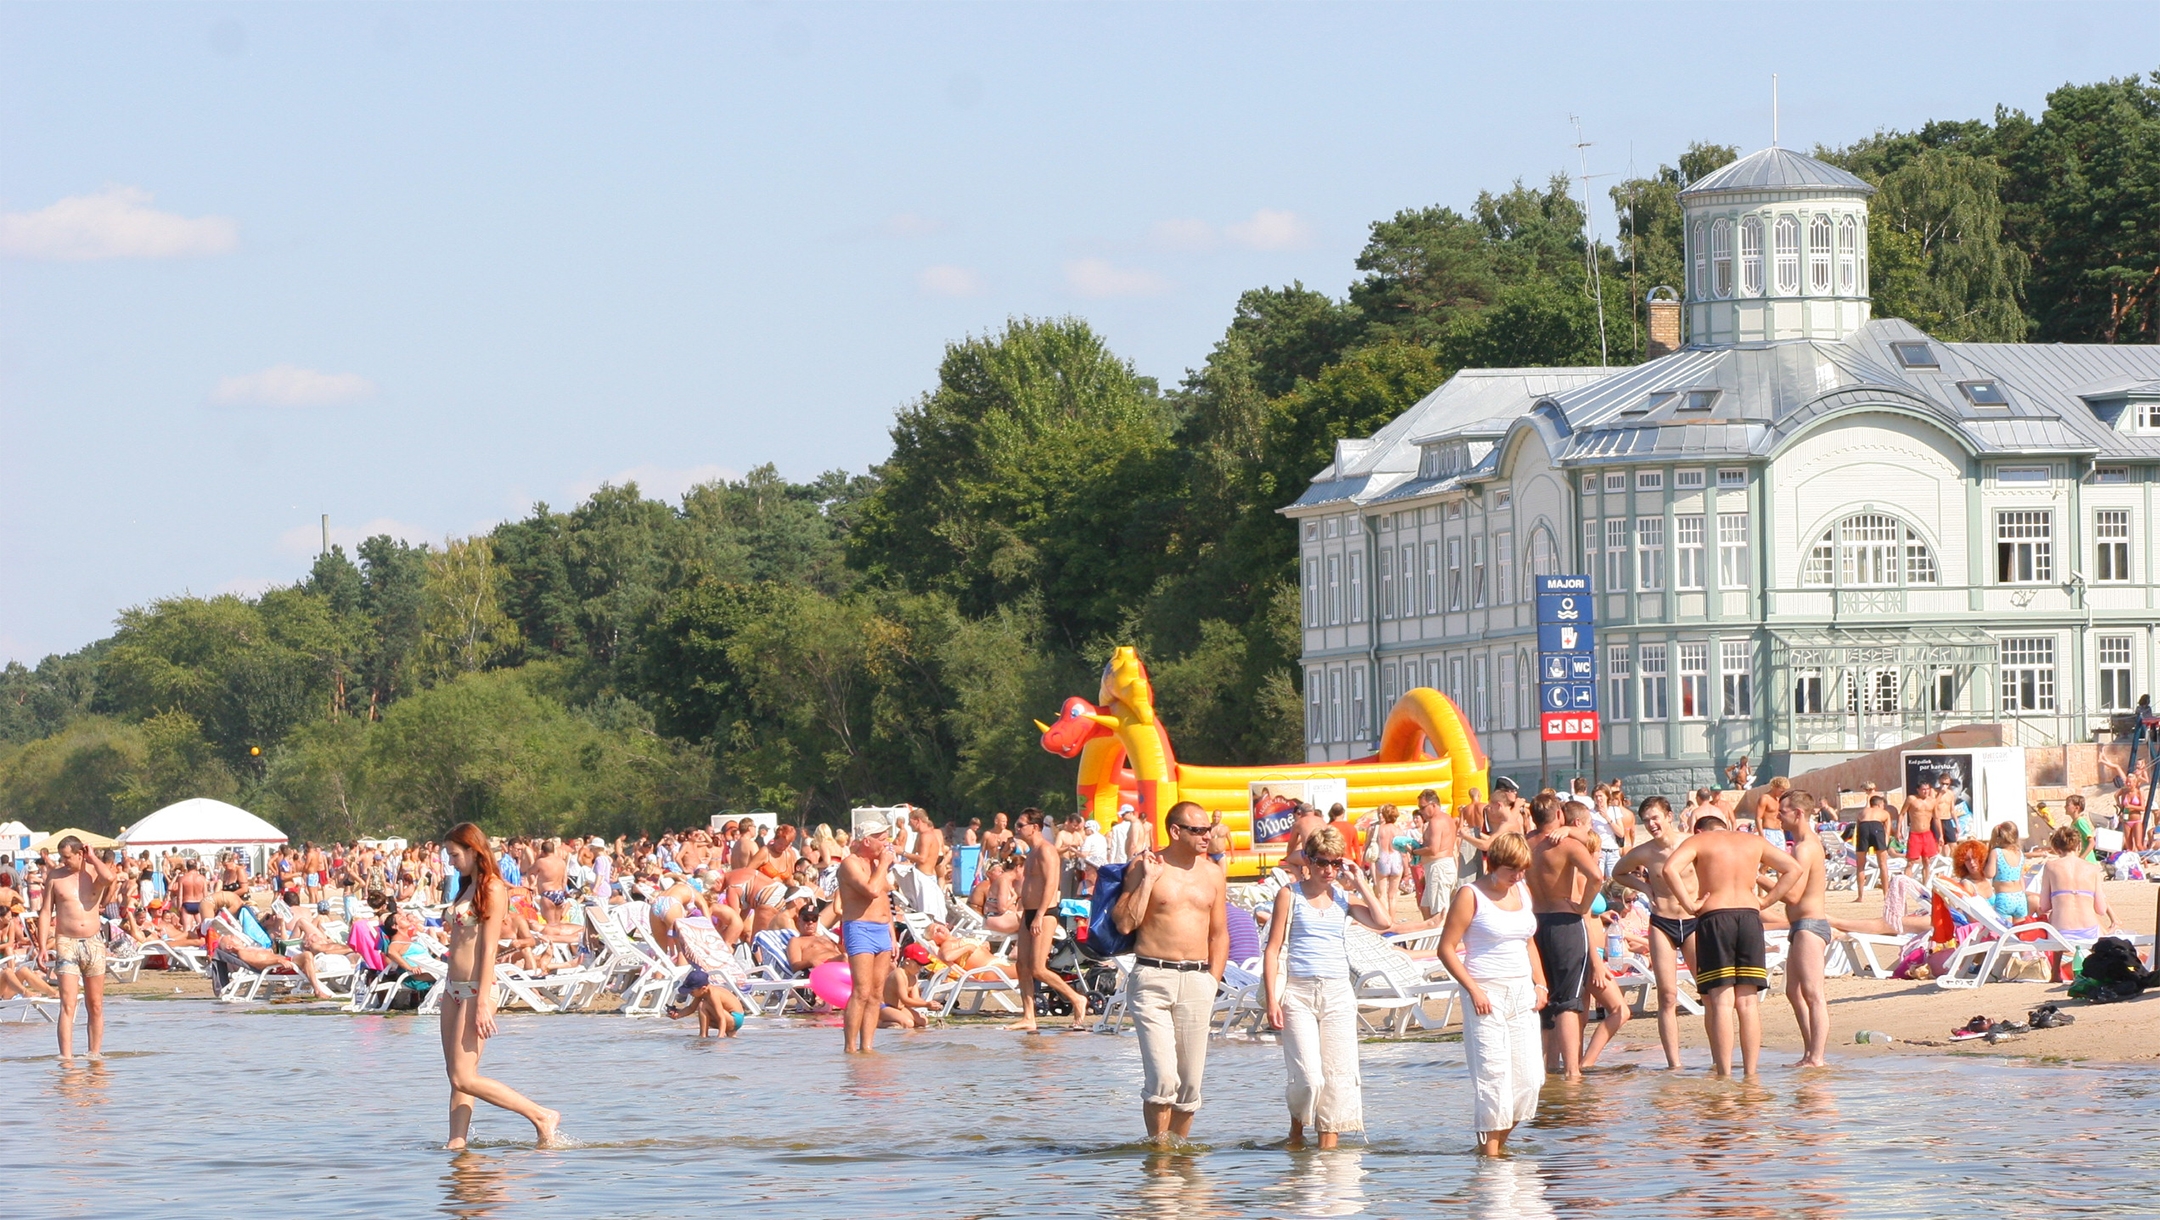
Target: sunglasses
{"points": [[1193, 830], [1335, 863]]}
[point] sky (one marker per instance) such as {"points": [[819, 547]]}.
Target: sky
{"points": [[418, 267]]}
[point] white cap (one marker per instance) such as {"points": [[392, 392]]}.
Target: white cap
{"points": [[872, 826]]}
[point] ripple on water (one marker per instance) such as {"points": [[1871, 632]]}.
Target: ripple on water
{"points": [[979, 1121]]}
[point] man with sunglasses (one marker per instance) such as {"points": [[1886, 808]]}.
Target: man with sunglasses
{"points": [[1173, 900]]}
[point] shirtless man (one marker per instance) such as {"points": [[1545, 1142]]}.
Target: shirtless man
{"points": [[1672, 932], [1807, 912], [1764, 816], [1871, 833], [1138, 831], [1071, 852], [1038, 923], [1563, 878], [1502, 815], [1713, 874], [1443, 838], [68, 939], [190, 888], [928, 857], [1174, 900], [997, 841], [1302, 823], [866, 928], [1921, 844], [550, 881]]}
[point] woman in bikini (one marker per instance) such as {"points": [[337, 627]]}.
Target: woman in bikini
{"points": [[474, 922]]}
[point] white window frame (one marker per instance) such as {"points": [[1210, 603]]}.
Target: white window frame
{"points": [[1732, 550], [1872, 550], [1721, 270], [1688, 551], [1477, 572], [1702, 262], [1385, 557], [1454, 574], [1312, 591], [1649, 480], [1619, 680], [1751, 257], [1335, 704], [1357, 586], [2115, 656], [1818, 255], [1729, 479], [1694, 681], [1616, 553], [1360, 706], [2024, 546], [1480, 703], [1334, 590], [1848, 253], [1406, 582], [1652, 684], [1315, 708], [2027, 664], [1507, 690], [2111, 545], [1736, 669], [1650, 554], [1786, 234], [1503, 567], [1432, 578]]}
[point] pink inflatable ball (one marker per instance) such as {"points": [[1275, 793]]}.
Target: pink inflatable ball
{"points": [[832, 983]]}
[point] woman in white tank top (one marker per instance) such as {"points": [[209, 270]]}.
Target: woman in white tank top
{"points": [[1487, 945]]}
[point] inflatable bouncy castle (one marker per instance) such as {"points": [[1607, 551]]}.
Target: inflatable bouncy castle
{"points": [[1126, 759]]}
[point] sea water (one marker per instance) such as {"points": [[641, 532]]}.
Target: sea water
{"points": [[209, 1110]]}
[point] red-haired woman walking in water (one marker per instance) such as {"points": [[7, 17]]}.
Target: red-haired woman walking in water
{"points": [[474, 922]]}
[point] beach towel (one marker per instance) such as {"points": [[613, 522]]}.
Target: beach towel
{"points": [[254, 929], [1103, 938], [366, 940]]}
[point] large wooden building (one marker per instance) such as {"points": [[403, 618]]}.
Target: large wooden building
{"points": [[1812, 533]]}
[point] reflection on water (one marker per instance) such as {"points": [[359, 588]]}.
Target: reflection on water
{"points": [[977, 1121]]}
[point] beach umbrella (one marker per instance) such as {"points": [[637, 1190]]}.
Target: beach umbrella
{"points": [[91, 839]]}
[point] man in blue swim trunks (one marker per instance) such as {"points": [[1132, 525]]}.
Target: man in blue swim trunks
{"points": [[866, 928]]}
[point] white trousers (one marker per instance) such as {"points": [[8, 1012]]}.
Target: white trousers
{"points": [[1320, 1047], [1171, 1011], [1507, 1055], [1441, 878]]}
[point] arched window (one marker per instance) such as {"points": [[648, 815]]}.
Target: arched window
{"points": [[1818, 253], [1751, 256], [1721, 257], [1542, 560], [1788, 256], [1848, 250], [1869, 550], [1702, 265]]}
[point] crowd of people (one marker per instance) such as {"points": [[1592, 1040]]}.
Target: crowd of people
{"points": [[1532, 906]]}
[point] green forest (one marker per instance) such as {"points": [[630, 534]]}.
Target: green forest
{"points": [[631, 664]]}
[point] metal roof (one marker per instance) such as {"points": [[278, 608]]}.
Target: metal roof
{"points": [[1777, 169], [2060, 399]]}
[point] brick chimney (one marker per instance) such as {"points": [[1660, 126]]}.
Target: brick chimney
{"points": [[1662, 334]]}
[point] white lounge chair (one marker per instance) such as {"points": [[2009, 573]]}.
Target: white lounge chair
{"points": [[1993, 942], [1389, 980], [1241, 998], [652, 976]]}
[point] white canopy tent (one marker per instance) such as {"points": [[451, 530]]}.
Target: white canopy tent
{"points": [[15, 839], [203, 827]]}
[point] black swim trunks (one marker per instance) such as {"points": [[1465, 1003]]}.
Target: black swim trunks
{"points": [[1563, 947], [1729, 949], [1675, 929], [1871, 836]]}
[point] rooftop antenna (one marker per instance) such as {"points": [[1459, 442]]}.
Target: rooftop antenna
{"points": [[1597, 286], [326, 533], [1773, 110]]}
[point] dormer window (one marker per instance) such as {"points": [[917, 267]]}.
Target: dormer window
{"points": [[1915, 355], [2146, 414], [1984, 393]]}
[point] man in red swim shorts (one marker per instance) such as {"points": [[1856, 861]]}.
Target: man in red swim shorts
{"points": [[1921, 843]]}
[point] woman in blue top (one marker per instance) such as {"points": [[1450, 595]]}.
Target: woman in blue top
{"points": [[1306, 970], [2006, 868]]}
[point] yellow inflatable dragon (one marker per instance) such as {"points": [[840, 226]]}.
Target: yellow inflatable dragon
{"points": [[1126, 759]]}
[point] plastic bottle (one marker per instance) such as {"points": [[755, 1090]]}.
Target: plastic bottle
{"points": [[1866, 1036]]}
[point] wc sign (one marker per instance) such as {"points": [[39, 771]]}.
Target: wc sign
{"points": [[1567, 659]]}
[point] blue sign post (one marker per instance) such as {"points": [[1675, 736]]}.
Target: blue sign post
{"points": [[1567, 659]]}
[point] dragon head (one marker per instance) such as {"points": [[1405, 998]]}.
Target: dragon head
{"points": [[1077, 724]]}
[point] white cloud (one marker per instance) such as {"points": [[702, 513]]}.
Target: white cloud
{"points": [[289, 385], [117, 222], [1094, 277], [307, 539], [910, 224], [946, 280], [1184, 236], [657, 482], [1270, 230]]}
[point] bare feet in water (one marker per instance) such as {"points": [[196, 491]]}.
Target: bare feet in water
{"points": [[547, 1125]]}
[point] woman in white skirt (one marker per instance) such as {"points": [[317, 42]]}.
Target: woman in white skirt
{"points": [[1306, 970], [1486, 944]]}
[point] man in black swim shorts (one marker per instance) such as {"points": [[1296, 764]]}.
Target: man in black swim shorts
{"points": [[1563, 878], [1871, 834], [1714, 873], [1673, 937]]}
